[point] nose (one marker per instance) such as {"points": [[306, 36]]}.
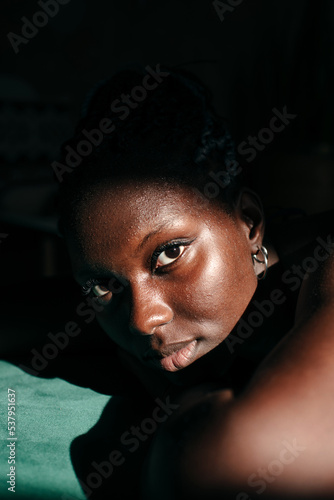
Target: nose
{"points": [[149, 310]]}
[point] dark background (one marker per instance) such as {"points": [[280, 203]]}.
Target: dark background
{"points": [[265, 54]]}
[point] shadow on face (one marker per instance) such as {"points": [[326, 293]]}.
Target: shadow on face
{"points": [[170, 277]]}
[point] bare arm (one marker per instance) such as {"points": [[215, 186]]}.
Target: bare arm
{"points": [[277, 437]]}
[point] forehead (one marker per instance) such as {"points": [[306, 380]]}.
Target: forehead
{"points": [[137, 204], [120, 216]]}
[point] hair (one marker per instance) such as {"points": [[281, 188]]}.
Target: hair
{"points": [[173, 135]]}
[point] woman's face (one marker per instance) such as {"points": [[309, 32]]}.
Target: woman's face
{"points": [[171, 277]]}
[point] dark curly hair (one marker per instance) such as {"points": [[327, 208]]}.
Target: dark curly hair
{"points": [[171, 134]]}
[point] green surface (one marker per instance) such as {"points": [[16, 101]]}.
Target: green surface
{"points": [[49, 414]]}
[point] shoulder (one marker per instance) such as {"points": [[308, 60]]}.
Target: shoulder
{"points": [[305, 247], [290, 234], [239, 449]]}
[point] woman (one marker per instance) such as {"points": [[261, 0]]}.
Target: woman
{"points": [[232, 322]]}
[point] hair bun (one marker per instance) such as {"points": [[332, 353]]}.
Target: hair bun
{"points": [[171, 132]]}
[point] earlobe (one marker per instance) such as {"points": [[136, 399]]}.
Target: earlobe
{"points": [[250, 212], [256, 258]]}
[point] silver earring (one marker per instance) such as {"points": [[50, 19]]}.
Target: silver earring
{"points": [[255, 258]]}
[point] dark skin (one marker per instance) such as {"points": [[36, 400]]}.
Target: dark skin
{"points": [[170, 304], [172, 307]]}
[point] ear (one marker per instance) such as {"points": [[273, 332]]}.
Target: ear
{"points": [[249, 212]]}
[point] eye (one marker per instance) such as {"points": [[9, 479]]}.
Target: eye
{"points": [[102, 294], [99, 292], [169, 255]]}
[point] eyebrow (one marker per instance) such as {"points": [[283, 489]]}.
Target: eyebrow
{"points": [[150, 235], [84, 276]]}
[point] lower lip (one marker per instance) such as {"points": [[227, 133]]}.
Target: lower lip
{"points": [[180, 359]]}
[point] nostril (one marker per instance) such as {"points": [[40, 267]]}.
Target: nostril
{"points": [[148, 309], [145, 322]]}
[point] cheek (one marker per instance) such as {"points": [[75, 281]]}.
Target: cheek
{"points": [[218, 289]]}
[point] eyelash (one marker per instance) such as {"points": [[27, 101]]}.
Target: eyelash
{"points": [[156, 254], [87, 289]]}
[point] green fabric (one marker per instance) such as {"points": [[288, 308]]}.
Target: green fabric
{"points": [[50, 413]]}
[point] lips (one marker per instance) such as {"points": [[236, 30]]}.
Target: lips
{"points": [[175, 356]]}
